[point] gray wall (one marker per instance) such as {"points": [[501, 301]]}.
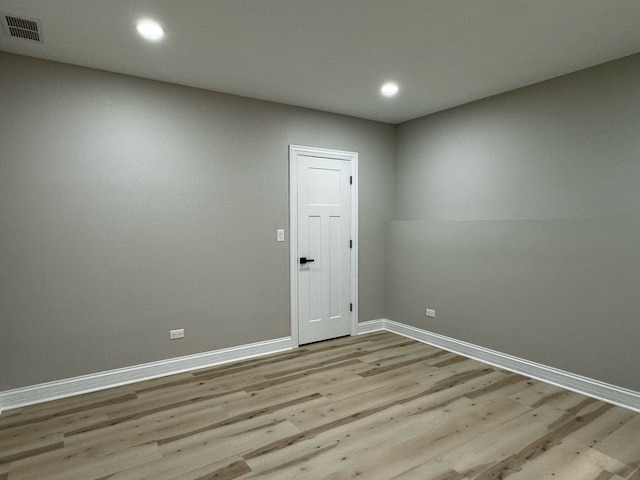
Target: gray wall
{"points": [[130, 207], [518, 219]]}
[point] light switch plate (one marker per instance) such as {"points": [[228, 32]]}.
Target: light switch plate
{"points": [[280, 234]]}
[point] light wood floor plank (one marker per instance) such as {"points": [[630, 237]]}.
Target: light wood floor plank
{"points": [[568, 459], [376, 406]]}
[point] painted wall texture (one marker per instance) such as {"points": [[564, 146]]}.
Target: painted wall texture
{"points": [[518, 219], [130, 207]]}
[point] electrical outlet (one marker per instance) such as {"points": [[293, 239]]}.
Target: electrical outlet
{"points": [[431, 313], [173, 334]]}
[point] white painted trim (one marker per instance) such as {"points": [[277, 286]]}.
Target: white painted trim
{"points": [[577, 383], [44, 392], [371, 326], [352, 157], [354, 236], [293, 244]]}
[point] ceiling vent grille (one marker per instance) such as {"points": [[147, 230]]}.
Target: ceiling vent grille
{"points": [[27, 28]]}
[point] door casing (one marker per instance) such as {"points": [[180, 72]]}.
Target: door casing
{"points": [[352, 157]]}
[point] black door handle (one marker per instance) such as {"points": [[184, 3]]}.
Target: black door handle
{"points": [[304, 260]]}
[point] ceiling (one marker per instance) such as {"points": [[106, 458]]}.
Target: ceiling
{"points": [[334, 55]]}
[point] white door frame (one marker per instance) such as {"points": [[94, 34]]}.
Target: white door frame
{"points": [[294, 152]]}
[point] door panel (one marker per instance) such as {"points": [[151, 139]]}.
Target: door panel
{"points": [[336, 260], [324, 220]]}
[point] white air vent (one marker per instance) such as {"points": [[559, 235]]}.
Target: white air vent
{"points": [[20, 27]]}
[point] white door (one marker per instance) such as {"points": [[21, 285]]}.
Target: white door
{"points": [[324, 245]]}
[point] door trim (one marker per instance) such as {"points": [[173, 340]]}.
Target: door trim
{"points": [[294, 152]]}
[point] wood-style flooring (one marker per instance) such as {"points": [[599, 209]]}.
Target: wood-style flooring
{"points": [[376, 406]]}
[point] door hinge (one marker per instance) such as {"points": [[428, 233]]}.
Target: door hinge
{"points": [[350, 243], [350, 180], [351, 307]]}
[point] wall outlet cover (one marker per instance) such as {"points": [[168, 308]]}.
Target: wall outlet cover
{"points": [[179, 333]]}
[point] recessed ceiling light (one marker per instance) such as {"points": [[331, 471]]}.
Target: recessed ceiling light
{"points": [[150, 30], [389, 89]]}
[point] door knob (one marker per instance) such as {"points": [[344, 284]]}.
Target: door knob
{"points": [[304, 260]]}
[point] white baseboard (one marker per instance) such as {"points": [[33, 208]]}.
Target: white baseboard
{"points": [[577, 383], [44, 392], [371, 326]]}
